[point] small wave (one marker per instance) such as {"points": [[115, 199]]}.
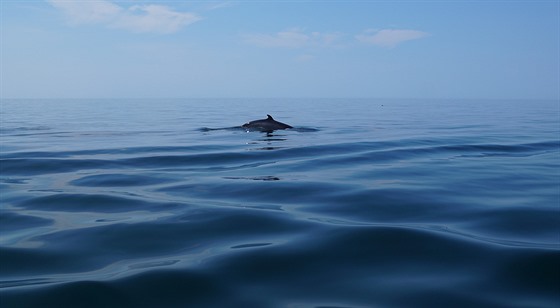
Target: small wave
{"points": [[118, 151], [254, 178], [119, 180], [24, 282], [486, 150], [146, 265], [89, 203], [22, 129], [35, 166], [304, 129], [251, 245], [230, 128]]}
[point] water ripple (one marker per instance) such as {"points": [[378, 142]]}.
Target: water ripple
{"points": [[386, 208]]}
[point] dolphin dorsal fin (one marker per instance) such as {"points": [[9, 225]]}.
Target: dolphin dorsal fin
{"points": [[269, 117]]}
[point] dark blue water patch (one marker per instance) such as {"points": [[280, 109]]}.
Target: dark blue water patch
{"points": [[183, 236], [36, 166], [28, 262], [97, 203], [119, 180], [345, 266], [536, 272], [93, 294], [519, 223], [10, 221], [205, 159], [224, 161], [343, 155], [258, 192], [509, 220], [151, 289], [34, 163], [135, 150], [389, 152], [387, 205], [385, 266]]}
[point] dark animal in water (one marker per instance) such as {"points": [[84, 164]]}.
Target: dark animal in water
{"points": [[265, 125]]}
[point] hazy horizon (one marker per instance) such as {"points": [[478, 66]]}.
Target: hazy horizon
{"points": [[289, 98]]}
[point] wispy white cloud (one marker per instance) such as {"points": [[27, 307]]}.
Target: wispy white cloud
{"points": [[292, 38], [389, 37], [136, 18], [83, 12], [288, 38], [154, 18], [298, 38]]}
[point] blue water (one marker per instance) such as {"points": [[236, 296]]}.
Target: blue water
{"points": [[365, 203]]}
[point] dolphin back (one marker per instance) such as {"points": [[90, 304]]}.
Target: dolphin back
{"points": [[268, 124]]}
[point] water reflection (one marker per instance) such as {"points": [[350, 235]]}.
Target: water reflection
{"points": [[254, 178], [268, 141]]}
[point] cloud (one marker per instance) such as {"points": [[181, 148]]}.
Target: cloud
{"points": [[389, 37], [291, 38], [83, 12], [137, 18], [297, 38], [153, 18]]}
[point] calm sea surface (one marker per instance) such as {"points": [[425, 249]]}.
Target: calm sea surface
{"points": [[365, 203]]}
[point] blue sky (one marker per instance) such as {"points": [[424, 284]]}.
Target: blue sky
{"points": [[381, 49]]}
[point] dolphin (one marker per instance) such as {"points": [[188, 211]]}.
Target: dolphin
{"points": [[265, 125]]}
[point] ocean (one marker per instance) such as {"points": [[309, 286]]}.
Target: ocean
{"points": [[364, 203]]}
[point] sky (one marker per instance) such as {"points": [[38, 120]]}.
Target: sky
{"points": [[218, 49]]}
